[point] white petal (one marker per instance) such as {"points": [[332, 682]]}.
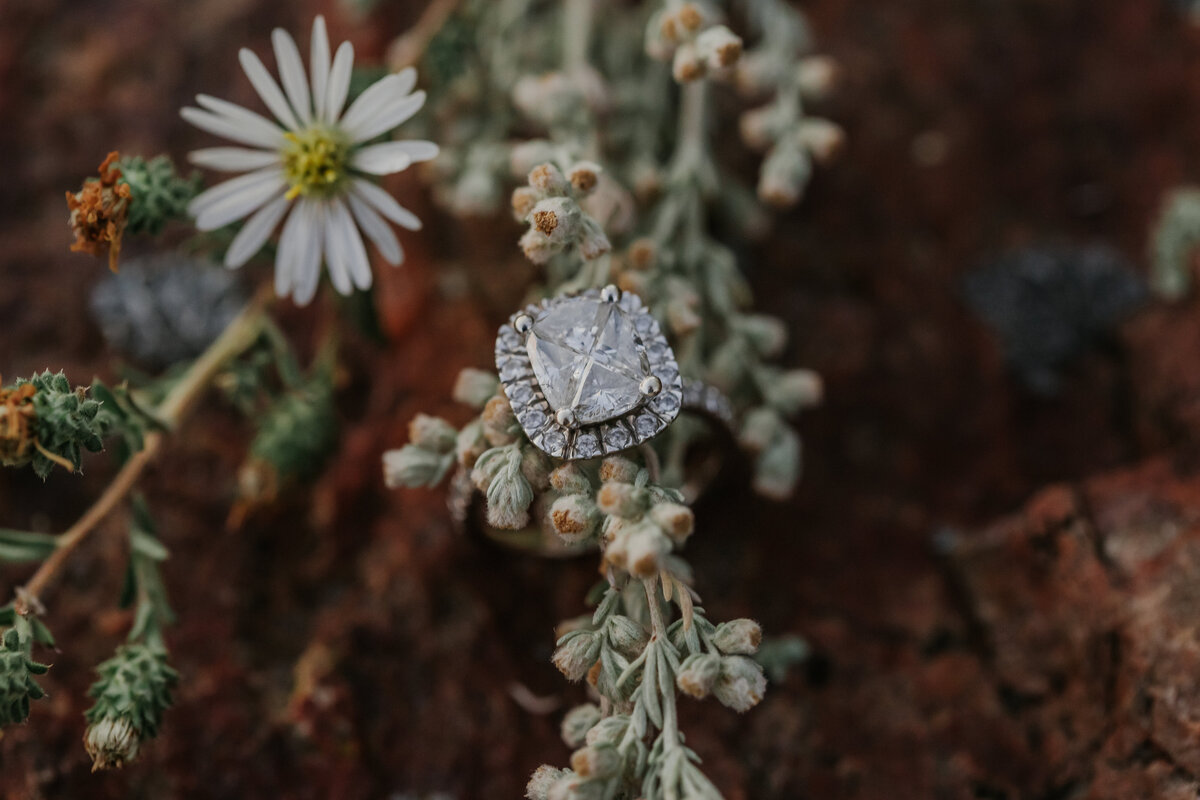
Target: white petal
{"points": [[267, 88], [318, 65], [308, 270], [238, 205], [242, 117], [388, 117], [408, 80], [352, 245], [376, 229], [336, 255], [220, 126], [291, 70], [255, 232], [385, 204], [381, 159], [216, 194], [379, 100], [232, 159], [389, 157], [339, 81]]}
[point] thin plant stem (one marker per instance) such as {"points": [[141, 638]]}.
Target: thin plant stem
{"points": [[240, 334]]}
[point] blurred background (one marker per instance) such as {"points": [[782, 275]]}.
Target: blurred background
{"points": [[993, 552]]}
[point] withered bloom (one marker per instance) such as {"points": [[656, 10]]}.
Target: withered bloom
{"points": [[17, 419], [99, 212]]}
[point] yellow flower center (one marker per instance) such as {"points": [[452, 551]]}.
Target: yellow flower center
{"points": [[314, 161]]}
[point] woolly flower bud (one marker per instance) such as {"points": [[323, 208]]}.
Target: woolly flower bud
{"points": [[574, 517], [626, 635], [594, 242], [682, 318], [766, 334], [677, 520], [619, 469], [822, 138], [111, 742], [738, 637], [569, 478], [578, 721], [741, 685], [584, 176], [688, 64], [645, 547], [596, 762], [817, 75], [548, 179], [621, 500], [524, 198], [499, 422], [575, 656], [784, 176], [609, 730], [760, 427], [758, 127], [509, 496], [794, 390], [432, 433], [557, 218], [719, 47], [543, 780], [535, 466], [474, 387], [698, 674], [471, 444], [413, 466], [777, 470], [537, 247]]}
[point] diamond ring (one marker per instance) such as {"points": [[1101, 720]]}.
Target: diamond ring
{"points": [[592, 374]]}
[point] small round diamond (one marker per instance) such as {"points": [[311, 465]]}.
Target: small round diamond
{"points": [[520, 394], [587, 445], [533, 419], [666, 403], [617, 439], [554, 441], [646, 425]]}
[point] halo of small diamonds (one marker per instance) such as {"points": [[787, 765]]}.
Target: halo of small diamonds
{"points": [[541, 422]]}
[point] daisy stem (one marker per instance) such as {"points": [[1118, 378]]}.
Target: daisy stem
{"points": [[180, 400]]}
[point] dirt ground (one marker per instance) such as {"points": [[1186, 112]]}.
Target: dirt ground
{"points": [[999, 586]]}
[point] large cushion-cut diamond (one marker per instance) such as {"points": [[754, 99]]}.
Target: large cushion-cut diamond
{"points": [[588, 358]]}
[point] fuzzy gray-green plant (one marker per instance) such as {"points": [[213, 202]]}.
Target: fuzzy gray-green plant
{"points": [[160, 194], [17, 671], [62, 423]]}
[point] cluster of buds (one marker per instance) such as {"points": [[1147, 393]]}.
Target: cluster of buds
{"points": [[728, 673], [100, 212], [550, 204], [17, 668], [791, 140], [644, 523], [509, 476], [687, 34], [44, 421]]}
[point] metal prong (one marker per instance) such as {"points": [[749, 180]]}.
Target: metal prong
{"points": [[610, 294], [565, 416], [650, 386], [523, 323]]}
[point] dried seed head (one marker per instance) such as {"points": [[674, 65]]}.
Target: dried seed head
{"points": [[690, 17], [719, 47], [111, 742], [18, 422], [738, 637], [584, 176], [100, 212]]}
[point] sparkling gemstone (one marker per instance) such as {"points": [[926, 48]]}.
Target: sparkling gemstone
{"points": [[618, 439], [587, 446], [588, 358], [646, 424]]}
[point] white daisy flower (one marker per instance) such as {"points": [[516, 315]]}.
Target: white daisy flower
{"points": [[313, 162]]}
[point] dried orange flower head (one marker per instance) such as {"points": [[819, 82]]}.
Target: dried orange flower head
{"points": [[17, 418], [99, 212]]}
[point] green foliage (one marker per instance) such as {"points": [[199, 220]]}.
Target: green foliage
{"points": [[160, 194], [68, 421], [17, 547], [134, 685], [143, 581], [1173, 244], [299, 430], [17, 668]]}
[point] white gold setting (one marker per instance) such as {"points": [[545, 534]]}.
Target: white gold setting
{"points": [[588, 374]]}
